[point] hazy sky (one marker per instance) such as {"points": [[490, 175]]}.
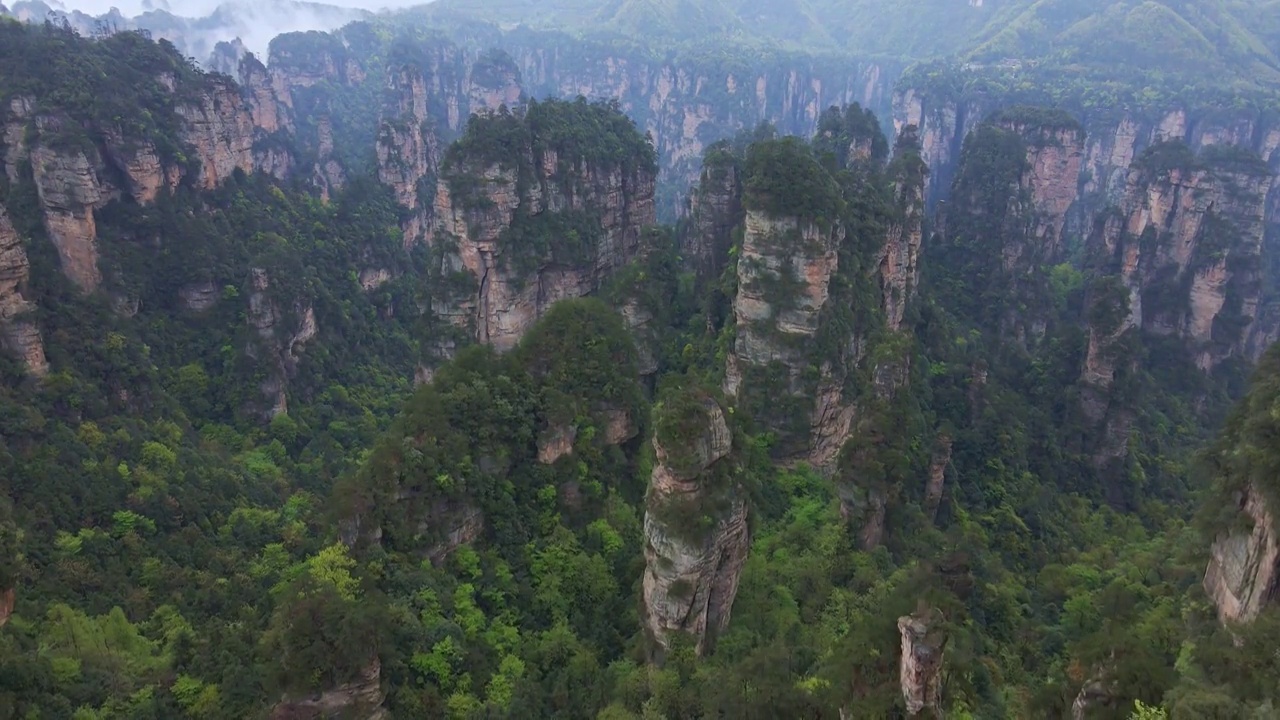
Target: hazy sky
{"points": [[196, 8]]}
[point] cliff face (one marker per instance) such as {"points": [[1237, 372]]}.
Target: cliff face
{"points": [[1111, 142], [692, 567], [69, 191], [686, 105], [1180, 257], [1187, 244], [520, 232], [281, 339], [1055, 153], [942, 126], [1244, 567], [785, 267], [269, 99], [221, 131], [920, 671], [17, 334], [1107, 144], [899, 259], [407, 151], [714, 211], [77, 170]]}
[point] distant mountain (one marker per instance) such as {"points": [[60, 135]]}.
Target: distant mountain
{"points": [[253, 22], [1181, 36], [1185, 37]]}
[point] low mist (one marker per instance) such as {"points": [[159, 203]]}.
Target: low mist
{"points": [[197, 26]]}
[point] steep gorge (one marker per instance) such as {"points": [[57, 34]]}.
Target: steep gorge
{"points": [[526, 522]]}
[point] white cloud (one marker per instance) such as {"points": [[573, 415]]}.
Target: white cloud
{"points": [[254, 22]]}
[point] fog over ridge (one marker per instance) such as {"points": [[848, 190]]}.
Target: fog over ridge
{"points": [[197, 26]]}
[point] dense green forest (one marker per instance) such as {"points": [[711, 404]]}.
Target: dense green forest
{"points": [[210, 511]]}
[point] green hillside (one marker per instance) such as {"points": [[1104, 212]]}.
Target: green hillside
{"points": [[1236, 38]]}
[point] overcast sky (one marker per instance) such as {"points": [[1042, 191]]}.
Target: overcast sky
{"points": [[197, 8]]}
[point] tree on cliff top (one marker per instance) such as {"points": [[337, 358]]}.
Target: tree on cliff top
{"points": [[783, 178]]}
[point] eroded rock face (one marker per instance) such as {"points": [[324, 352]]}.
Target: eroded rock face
{"points": [[937, 479], [220, 129], [281, 339], [407, 150], [942, 126], [784, 274], [360, 700], [685, 108], [513, 287], [900, 255], [1187, 245], [920, 671], [15, 134], [199, 296], [269, 101], [1054, 158], [556, 443], [19, 336], [691, 573], [67, 182], [328, 174], [144, 173], [1093, 695], [456, 522], [715, 209], [640, 324], [1243, 576]]}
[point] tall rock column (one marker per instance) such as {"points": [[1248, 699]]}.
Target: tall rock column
{"points": [[696, 533], [715, 209], [783, 369], [923, 646], [1055, 152], [67, 182], [282, 337], [1003, 227], [1243, 576], [407, 149], [537, 218], [899, 258]]}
